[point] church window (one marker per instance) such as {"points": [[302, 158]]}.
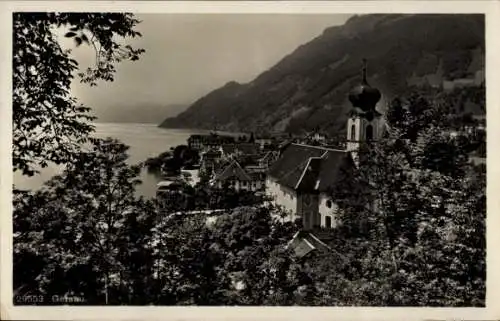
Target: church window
{"points": [[353, 132], [307, 219], [307, 200], [369, 132], [329, 204], [328, 221]]}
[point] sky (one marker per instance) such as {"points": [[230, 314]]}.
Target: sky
{"points": [[189, 55]]}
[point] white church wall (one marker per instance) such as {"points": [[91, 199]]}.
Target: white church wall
{"points": [[360, 125], [326, 211], [352, 142], [282, 197]]}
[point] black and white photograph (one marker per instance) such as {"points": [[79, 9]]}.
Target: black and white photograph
{"points": [[260, 159]]}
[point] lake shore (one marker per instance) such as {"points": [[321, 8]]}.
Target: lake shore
{"points": [[144, 140]]}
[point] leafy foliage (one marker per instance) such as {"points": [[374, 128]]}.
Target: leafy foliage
{"points": [[86, 221], [172, 161], [412, 216], [205, 197], [86, 234], [412, 234], [419, 213], [48, 124]]}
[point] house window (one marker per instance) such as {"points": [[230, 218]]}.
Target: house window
{"points": [[329, 204], [353, 132], [369, 132], [328, 221]]}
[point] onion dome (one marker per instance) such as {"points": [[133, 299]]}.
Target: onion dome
{"points": [[364, 96]]}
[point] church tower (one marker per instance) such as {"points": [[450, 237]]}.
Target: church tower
{"points": [[364, 120]]}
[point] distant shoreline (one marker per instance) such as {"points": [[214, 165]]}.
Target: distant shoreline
{"points": [[205, 131]]}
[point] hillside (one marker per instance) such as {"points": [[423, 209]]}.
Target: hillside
{"points": [[144, 113], [308, 88]]}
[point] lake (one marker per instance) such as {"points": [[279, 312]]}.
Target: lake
{"points": [[145, 140]]}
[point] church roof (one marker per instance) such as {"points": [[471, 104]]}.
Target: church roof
{"points": [[364, 96], [310, 174], [310, 168], [360, 112]]}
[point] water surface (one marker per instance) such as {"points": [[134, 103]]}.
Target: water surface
{"points": [[145, 140]]}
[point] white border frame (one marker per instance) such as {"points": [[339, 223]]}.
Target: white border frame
{"points": [[491, 9]]}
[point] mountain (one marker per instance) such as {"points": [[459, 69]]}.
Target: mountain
{"points": [[138, 113], [308, 88]]}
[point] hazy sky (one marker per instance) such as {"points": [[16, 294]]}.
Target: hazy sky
{"points": [[187, 56]]}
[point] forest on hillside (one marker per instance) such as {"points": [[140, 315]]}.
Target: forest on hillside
{"points": [[308, 88]]}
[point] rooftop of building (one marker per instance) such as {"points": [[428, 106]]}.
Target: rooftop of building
{"points": [[244, 148], [231, 171], [311, 168]]}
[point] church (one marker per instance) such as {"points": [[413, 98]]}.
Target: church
{"points": [[302, 179]]}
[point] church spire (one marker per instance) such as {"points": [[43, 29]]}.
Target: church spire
{"points": [[364, 96], [363, 75], [363, 122]]}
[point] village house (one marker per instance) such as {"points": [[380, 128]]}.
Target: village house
{"points": [[169, 195], [205, 142], [267, 159], [250, 163], [209, 160], [304, 178], [236, 177], [195, 142], [319, 137], [249, 155], [257, 163], [230, 151], [216, 141], [264, 141], [315, 138], [304, 244]]}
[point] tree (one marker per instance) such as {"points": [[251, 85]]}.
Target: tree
{"points": [[86, 220], [422, 203], [48, 124], [189, 266], [256, 255]]}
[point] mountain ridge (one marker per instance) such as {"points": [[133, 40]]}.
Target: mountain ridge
{"points": [[307, 89]]}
